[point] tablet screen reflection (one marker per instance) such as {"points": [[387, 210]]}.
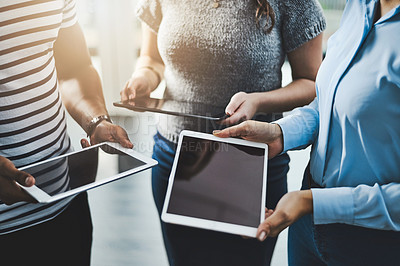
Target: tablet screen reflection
{"points": [[81, 168], [218, 181]]}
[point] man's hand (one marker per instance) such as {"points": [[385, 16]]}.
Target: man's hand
{"points": [[289, 209], [263, 132], [106, 131], [10, 192]]}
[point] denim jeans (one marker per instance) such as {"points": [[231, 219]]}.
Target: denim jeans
{"points": [[191, 246], [340, 244]]}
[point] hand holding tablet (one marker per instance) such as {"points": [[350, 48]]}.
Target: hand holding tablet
{"points": [[217, 184], [169, 107], [78, 171]]}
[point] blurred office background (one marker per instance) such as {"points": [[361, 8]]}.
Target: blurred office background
{"points": [[126, 226]]}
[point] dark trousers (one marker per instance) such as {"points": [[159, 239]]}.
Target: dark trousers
{"points": [[340, 244], [187, 246], [64, 240]]}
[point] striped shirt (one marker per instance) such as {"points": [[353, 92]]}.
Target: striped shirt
{"points": [[32, 116]]}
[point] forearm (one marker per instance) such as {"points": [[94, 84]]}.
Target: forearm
{"points": [[300, 92], [83, 97], [368, 206]]}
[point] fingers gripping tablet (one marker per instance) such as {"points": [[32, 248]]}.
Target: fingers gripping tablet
{"points": [[78, 171]]}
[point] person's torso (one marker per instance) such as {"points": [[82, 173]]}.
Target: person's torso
{"points": [[212, 53], [32, 117], [359, 97]]}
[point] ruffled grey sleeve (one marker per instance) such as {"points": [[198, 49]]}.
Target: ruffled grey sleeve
{"points": [[150, 12], [303, 20]]}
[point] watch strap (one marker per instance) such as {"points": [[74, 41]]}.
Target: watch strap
{"points": [[95, 122]]}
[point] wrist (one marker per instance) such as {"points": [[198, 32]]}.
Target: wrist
{"points": [[263, 101], [256, 100], [149, 74], [278, 133], [274, 139], [91, 127], [306, 200]]}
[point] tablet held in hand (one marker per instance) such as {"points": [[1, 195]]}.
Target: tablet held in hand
{"points": [[217, 184], [72, 173]]}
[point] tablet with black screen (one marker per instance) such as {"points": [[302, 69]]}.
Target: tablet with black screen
{"points": [[72, 173], [169, 107], [217, 184]]}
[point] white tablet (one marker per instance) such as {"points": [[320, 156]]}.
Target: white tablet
{"points": [[71, 173], [217, 184]]}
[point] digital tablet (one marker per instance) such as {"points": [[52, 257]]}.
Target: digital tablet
{"points": [[169, 107], [71, 173], [217, 184]]}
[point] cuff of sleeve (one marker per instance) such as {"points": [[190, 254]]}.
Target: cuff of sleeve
{"points": [[333, 205], [289, 142]]}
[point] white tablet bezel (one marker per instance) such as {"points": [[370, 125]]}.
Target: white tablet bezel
{"points": [[43, 197], [209, 224]]}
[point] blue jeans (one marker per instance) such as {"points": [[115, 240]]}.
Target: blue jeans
{"points": [[340, 244], [191, 246]]}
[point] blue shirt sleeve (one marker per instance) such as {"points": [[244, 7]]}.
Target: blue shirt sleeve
{"points": [[367, 206], [300, 127]]}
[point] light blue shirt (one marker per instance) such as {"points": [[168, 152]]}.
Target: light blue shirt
{"points": [[354, 122]]}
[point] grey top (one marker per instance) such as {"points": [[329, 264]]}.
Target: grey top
{"points": [[212, 53]]}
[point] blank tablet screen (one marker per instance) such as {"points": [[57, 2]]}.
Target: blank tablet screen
{"points": [[82, 168], [218, 181]]}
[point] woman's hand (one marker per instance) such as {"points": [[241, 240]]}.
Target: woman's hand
{"points": [[106, 131], [289, 209], [242, 106], [149, 70], [138, 85], [268, 213], [10, 192], [263, 132]]}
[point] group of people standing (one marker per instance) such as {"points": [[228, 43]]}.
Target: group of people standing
{"points": [[225, 54]]}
